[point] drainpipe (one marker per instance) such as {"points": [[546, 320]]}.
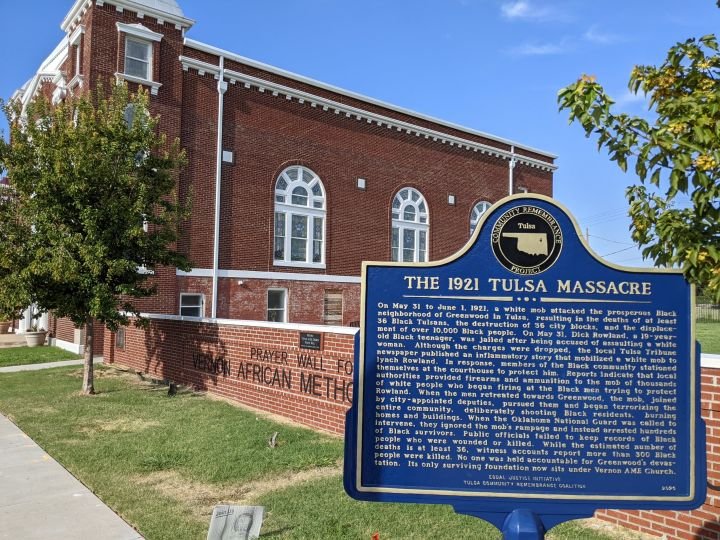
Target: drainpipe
{"points": [[511, 168], [222, 88]]}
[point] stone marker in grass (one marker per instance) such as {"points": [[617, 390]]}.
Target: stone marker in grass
{"points": [[235, 522]]}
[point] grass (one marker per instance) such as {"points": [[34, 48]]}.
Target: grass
{"points": [[163, 462], [708, 334], [20, 356]]}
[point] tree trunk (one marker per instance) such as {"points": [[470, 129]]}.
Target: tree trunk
{"points": [[88, 387]]}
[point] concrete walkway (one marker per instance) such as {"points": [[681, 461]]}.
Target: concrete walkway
{"points": [[47, 365], [39, 499]]}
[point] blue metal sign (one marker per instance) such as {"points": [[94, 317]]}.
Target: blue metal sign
{"points": [[524, 374]]}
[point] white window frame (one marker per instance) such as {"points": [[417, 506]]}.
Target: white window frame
{"points": [[148, 62], [285, 304], [201, 306], [478, 212], [138, 33], [316, 208], [409, 198]]}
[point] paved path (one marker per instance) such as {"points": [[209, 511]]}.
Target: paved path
{"points": [[39, 499], [46, 365]]}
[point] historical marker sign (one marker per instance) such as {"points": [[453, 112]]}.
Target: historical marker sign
{"points": [[310, 340], [526, 373]]}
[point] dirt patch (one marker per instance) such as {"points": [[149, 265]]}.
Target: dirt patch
{"points": [[200, 498], [255, 490], [119, 425]]}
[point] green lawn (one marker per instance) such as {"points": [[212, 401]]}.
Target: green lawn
{"points": [[163, 463], [708, 334], [20, 356]]}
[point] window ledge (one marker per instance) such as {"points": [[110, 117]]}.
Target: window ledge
{"points": [[318, 266], [154, 86]]}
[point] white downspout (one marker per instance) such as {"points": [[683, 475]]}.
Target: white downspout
{"points": [[511, 168], [222, 88]]}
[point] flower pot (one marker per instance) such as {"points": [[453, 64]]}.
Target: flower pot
{"points": [[35, 339], [4, 327]]}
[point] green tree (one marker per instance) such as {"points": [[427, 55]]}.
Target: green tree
{"points": [[675, 153], [93, 193]]}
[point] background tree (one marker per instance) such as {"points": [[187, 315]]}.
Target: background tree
{"points": [[675, 153], [93, 184]]}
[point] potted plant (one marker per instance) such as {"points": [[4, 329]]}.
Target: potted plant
{"points": [[34, 336]]}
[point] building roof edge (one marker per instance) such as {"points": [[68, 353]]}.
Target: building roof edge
{"points": [[203, 47], [132, 5]]}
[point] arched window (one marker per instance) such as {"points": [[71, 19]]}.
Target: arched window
{"points": [[478, 210], [410, 226], [299, 218]]}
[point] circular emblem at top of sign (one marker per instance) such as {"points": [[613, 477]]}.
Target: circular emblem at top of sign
{"points": [[527, 240]]}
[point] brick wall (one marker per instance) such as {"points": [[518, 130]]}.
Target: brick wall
{"points": [[700, 524], [248, 300], [64, 330], [318, 395], [260, 366], [268, 132]]}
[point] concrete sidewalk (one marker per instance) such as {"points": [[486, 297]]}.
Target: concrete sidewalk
{"points": [[48, 365], [39, 499]]}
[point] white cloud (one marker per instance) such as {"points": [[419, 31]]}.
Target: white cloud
{"points": [[538, 49], [628, 98], [593, 35], [524, 9]]}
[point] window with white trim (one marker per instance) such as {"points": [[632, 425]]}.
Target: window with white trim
{"points": [[140, 50], [277, 305], [410, 226], [138, 58], [299, 218], [192, 305], [477, 212]]}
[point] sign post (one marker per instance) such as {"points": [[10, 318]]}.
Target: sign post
{"points": [[526, 381]]}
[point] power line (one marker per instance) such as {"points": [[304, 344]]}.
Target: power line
{"points": [[611, 241], [619, 251]]}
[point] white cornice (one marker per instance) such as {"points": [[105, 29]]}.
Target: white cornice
{"points": [[140, 31], [35, 85], [201, 67], [292, 94], [80, 7], [203, 47], [75, 15], [76, 35]]}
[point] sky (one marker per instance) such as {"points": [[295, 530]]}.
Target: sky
{"points": [[491, 65]]}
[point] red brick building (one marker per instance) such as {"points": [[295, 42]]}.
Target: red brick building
{"points": [[294, 182]]}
